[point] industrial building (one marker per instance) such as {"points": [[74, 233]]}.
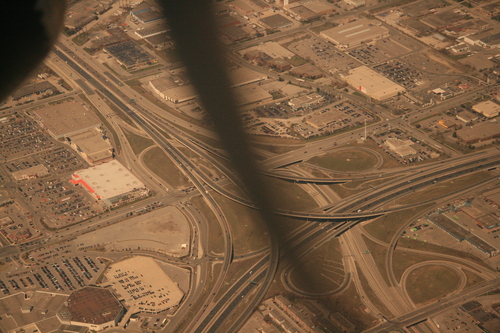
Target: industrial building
{"points": [[31, 89], [35, 171], [115, 36], [480, 132], [144, 285], [160, 41], [466, 116], [486, 39], [242, 6], [489, 109], [67, 118], [372, 83], [92, 145], [450, 225], [356, 3], [298, 103], [144, 13], [152, 30], [275, 22], [308, 71], [130, 54], [355, 33], [322, 119], [272, 49], [168, 90], [80, 13], [234, 33], [250, 94], [401, 147], [92, 307], [302, 13], [110, 182]]}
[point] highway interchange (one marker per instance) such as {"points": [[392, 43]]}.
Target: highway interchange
{"points": [[331, 219]]}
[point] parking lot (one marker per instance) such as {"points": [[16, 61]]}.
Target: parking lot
{"points": [[21, 136], [53, 269], [418, 151], [330, 115], [338, 116], [24, 144], [323, 54], [59, 201], [401, 73]]}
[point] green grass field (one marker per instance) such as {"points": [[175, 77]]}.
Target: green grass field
{"points": [[384, 227], [346, 160], [441, 189], [248, 230], [156, 160], [137, 142], [214, 229], [428, 283], [325, 271], [289, 196]]}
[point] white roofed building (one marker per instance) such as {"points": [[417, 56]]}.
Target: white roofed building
{"points": [[372, 83], [110, 182], [489, 109], [355, 33]]}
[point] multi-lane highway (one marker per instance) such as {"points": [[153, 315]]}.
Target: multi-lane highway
{"points": [[346, 213]]}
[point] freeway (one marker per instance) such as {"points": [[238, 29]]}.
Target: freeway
{"points": [[220, 312], [445, 303], [186, 165], [417, 180]]}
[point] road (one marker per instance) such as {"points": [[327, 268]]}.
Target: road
{"points": [[149, 118]]}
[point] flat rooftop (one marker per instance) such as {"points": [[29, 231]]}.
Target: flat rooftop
{"points": [[251, 93], [130, 53], [488, 109], [241, 76], [372, 83], [272, 49], [356, 32], [107, 180], [144, 284], [93, 305], [481, 131], [276, 21], [91, 142], [32, 89], [67, 118]]}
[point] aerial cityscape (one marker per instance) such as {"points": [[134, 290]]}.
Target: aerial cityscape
{"points": [[374, 125]]}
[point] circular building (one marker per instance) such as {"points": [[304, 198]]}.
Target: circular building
{"points": [[92, 307]]}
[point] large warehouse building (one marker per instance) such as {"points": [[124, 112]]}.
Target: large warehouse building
{"points": [[372, 83], [67, 118], [144, 285], [489, 109], [92, 145], [166, 88], [110, 182], [355, 33]]}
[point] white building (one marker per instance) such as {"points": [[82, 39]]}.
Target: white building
{"points": [[110, 182], [355, 33], [489, 109], [372, 83]]}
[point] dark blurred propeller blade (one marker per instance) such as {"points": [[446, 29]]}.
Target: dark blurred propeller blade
{"points": [[28, 29], [194, 30]]}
